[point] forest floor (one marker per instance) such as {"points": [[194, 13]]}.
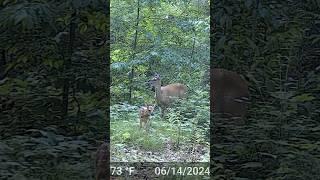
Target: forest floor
{"points": [[161, 143], [184, 153]]}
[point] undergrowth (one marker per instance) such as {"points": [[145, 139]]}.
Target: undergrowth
{"points": [[181, 130]]}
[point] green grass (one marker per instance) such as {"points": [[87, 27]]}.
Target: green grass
{"points": [[128, 132], [153, 138], [173, 134]]}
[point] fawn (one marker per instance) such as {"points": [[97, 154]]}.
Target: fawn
{"points": [[144, 113]]}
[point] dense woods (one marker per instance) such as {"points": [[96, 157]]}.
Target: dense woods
{"points": [[275, 46], [53, 87], [153, 44], [55, 78]]}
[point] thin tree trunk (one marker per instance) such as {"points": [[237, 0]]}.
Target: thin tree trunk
{"points": [[3, 62], [3, 57], [194, 34], [67, 64], [134, 52]]}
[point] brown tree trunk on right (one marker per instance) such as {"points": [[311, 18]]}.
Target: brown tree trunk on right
{"points": [[102, 162]]}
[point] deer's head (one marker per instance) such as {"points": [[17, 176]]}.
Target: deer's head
{"points": [[155, 81]]}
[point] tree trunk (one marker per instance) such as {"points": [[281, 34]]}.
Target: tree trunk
{"points": [[67, 64], [3, 62], [134, 52]]}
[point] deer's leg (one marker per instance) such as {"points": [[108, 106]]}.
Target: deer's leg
{"points": [[140, 123], [147, 124], [163, 109]]}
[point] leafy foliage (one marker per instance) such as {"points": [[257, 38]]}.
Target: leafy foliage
{"points": [[178, 136], [53, 73], [170, 38], [272, 44], [45, 154]]}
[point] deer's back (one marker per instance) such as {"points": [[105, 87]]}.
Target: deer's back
{"points": [[227, 88], [175, 89], [172, 91]]}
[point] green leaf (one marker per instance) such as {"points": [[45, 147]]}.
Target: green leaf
{"points": [[83, 28], [126, 135], [20, 16], [282, 95], [304, 98], [252, 165]]}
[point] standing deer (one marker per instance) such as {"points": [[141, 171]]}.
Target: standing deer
{"points": [[145, 113], [165, 95], [229, 93]]}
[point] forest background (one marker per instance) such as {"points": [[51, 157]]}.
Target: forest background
{"points": [[54, 86]]}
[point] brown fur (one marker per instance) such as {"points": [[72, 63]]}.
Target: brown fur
{"points": [[165, 95], [144, 114], [227, 89], [102, 162]]}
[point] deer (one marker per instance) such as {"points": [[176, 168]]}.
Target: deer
{"points": [[144, 113], [165, 95], [229, 94]]}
